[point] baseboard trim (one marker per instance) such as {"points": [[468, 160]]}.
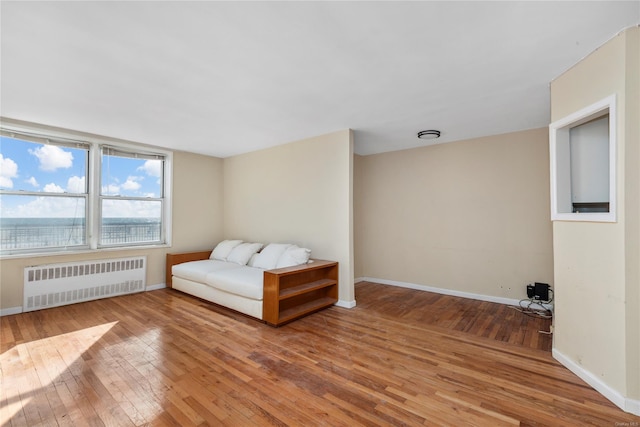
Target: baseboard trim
{"points": [[9, 311], [633, 406], [17, 310], [156, 287], [628, 405], [346, 304], [443, 291]]}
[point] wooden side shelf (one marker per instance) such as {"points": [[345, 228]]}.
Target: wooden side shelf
{"points": [[288, 293], [294, 292]]}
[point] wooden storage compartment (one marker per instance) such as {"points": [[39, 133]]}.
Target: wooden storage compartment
{"points": [[294, 292]]}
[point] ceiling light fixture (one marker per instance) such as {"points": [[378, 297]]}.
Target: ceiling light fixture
{"points": [[429, 134]]}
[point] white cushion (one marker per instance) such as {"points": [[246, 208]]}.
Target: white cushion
{"points": [[223, 249], [242, 253], [198, 270], [294, 255], [268, 257], [244, 281], [252, 260]]}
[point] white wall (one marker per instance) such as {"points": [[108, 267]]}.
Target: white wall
{"points": [[589, 145]]}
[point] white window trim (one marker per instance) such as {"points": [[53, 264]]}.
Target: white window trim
{"points": [[559, 134], [96, 195], [93, 187]]}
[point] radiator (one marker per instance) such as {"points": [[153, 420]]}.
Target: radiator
{"points": [[53, 285]]}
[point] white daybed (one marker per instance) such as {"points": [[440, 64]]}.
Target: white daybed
{"points": [[276, 284]]}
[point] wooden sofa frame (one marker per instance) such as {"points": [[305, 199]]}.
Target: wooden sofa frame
{"points": [[288, 293]]}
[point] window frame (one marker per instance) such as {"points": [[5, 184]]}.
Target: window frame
{"points": [[93, 195], [560, 162], [120, 151]]}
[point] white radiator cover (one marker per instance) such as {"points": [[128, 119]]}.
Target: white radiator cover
{"points": [[53, 285]]}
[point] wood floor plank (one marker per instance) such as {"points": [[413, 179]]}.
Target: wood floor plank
{"points": [[400, 357]]}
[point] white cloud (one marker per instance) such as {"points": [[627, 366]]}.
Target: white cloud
{"points": [[132, 184], [131, 209], [52, 158], [111, 189], [8, 171], [32, 181], [6, 182], [74, 207], [53, 188], [47, 207], [152, 168], [76, 184]]}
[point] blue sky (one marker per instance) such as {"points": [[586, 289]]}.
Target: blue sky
{"points": [[33, 167]]}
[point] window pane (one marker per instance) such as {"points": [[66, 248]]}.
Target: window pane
{"points": [[133, 177], [130, 221], [29, 222], [35, 167], [46, 196]]}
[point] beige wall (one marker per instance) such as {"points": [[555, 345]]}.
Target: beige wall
{"points": [[358, 212], [596, 264], [299, 193], [198, 198], [632, 168], [197, 225], [296, 193], [469, 216]]}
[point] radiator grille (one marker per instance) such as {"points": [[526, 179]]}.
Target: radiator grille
{"points": [[53, 285]]}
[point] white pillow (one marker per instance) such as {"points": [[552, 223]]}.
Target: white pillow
{"points": [[223, 249], [252, 260], [243, 252], [293, 256], [268, 257]]}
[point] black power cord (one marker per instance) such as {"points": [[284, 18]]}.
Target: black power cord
{"points": [[536, 308]]}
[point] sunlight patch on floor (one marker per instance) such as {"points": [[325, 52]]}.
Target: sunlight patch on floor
{"points": [[28, 368]]}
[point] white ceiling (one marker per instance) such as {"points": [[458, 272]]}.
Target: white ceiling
{"points": [[224, 78]]}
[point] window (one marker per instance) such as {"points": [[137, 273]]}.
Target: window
{"points": [[583, 167], [131, 197], [43, 193], [60, 194]]}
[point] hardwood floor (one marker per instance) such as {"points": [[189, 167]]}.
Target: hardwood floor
{"points": [[401, 357], [484, 319]]}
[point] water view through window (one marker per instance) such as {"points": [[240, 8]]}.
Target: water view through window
{"points": [[46, 200], [41, 233]]}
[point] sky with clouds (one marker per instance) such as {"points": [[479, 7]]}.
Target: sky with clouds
{"points": [[33, 167]]}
